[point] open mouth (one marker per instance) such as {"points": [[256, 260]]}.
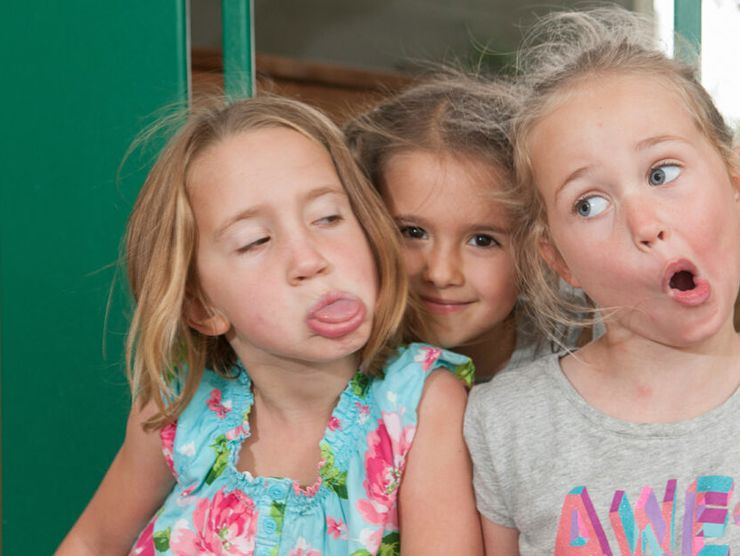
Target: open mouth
{"points": [[683, 280], [684, 285]]}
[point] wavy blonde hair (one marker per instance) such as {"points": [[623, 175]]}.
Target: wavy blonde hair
{"points": [[561, 52], [161, 243]]}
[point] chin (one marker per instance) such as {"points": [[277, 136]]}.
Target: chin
{"points": [[694, 334], [447, 340]]}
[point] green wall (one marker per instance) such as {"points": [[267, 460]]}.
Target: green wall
{"points": [[80, 80]]}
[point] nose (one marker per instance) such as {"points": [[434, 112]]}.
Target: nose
{"points": [[646, 223], [443, 267], [305, 261]]}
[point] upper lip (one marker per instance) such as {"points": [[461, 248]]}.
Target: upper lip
{"points": [[675, 266]]}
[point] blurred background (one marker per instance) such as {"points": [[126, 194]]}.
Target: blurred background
{"points": [[82, 78]]}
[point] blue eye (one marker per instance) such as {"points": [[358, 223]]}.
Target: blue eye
{"points": [[413, 232], [483, 240], [590, 206], [665, 173]]}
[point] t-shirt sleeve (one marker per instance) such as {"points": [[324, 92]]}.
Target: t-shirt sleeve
{"points": [[489, 490]]}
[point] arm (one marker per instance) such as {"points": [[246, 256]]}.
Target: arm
{"points": [[500, 540], [437, 512], [133, 489]]}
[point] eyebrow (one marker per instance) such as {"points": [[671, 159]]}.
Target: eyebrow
{"points": [[325, 190], [650, 141], [475, 227], [641, 145], [251, 212], [571, 177]]}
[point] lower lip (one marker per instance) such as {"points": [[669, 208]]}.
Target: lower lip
{"points": [[691, 298], [444, 308], [338, 329]]}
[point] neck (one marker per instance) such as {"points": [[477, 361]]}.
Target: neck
{"points": [[290, 389], [492, 350], [637, 379]]}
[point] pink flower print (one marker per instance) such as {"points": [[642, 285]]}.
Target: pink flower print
{"points": [[364, 412], [384, 459], [334, 423], [427, 356], [238, 432], [309, 490], [215, 405], [167, 435], [225, 526], [145, 543], [336, 528], [302, 548], [188, 490], [371, 539]]}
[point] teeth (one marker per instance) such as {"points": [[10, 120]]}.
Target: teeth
{"points": [[682, 281]]}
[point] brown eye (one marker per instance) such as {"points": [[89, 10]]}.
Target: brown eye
{"points": [[483, 240], [413, 232]]}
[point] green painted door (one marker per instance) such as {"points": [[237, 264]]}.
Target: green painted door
{"points": [[80, 80]]}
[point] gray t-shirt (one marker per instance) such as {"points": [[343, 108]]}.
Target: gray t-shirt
{"points": [[575, 481]]}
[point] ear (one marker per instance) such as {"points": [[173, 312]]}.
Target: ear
{"points": [[205, 320], [555, 261]]}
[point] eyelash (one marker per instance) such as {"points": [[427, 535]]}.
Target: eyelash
{"points": [[331, 219], [328, 220], [418, 233], [253, 245], [493, 240], [406, 231], [662, 166]]}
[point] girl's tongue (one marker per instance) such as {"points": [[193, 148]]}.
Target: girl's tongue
{"points": [[335, 316], [337, 311]]}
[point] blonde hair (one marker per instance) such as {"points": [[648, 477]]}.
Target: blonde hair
{"points": [[162, 238], [561, 52], [451, 112]]}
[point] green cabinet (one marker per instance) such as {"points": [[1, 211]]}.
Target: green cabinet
{"points": [[80, 80]]}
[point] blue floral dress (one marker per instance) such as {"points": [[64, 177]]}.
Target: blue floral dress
{"points": [[350, 510]]}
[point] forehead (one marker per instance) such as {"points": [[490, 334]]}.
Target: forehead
{"points": [[272, 166], [646, 99], [623, 109], [441, 187], [255, 152], [418, 172]]}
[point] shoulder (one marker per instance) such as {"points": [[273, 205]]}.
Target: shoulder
{"points": [[417, 361], [215, 389], [406, 375], [216, 413], [443, 390]]}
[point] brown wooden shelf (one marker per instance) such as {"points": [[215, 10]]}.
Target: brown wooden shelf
{"points": [[340, 91]]}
